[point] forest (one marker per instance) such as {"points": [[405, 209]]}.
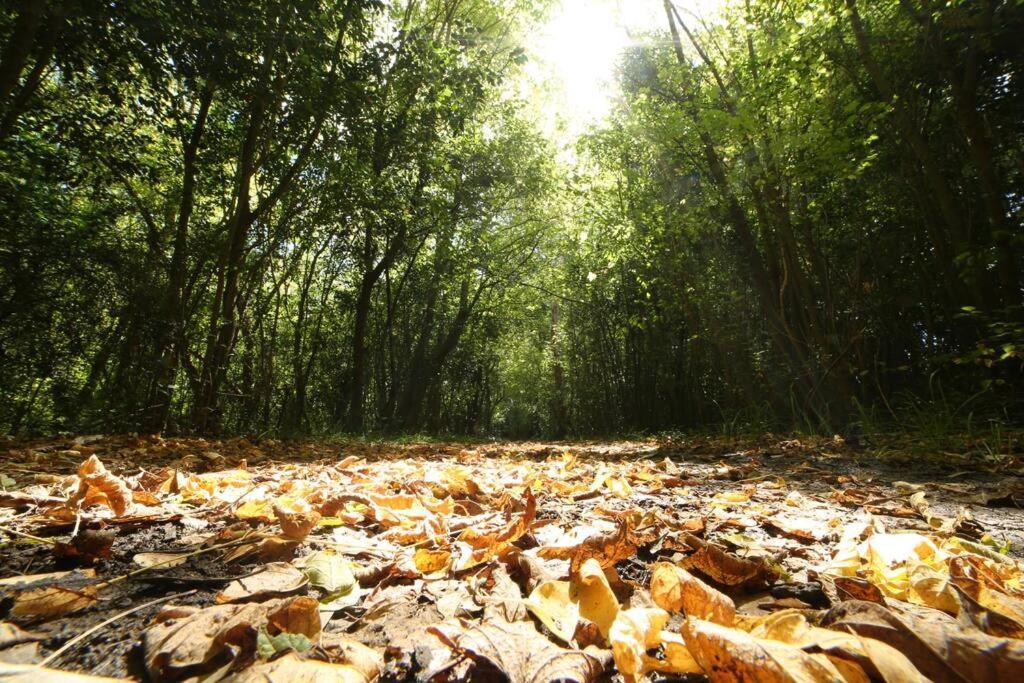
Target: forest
{"points": [[512, 341], [312, 217]]}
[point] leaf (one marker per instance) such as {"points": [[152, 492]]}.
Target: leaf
{"points": [[519, 652], [160, 559], [273, 580], [551, 603], [295, 669], [607, 549], [675, 589], [938, 646], [267, 645], [728, 654], [597, 603], [639, 630], [53, 601], [29, 673], [12, 634], [429, 561], [97, 485], [331, 572], [726, 568], [190, 641], [296, 523]]}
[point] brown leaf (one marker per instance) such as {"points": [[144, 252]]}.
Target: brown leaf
{"points": [[726, 568], [88, 545], [519, 652], [97, 485], [728, 654], [28, 673], [939, 646], [12, 634], [293, 668], [53, 601], [675, 589], [274, 580], [188, 641], [852, 588], [296, 523], [606, 549]]}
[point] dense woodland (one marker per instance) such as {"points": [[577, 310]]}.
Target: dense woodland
{"points": [[323, 216]]}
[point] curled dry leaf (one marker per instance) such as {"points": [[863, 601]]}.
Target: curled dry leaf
{"points": [[590, 590], [297, 522], [725, 568], [606, 549], [640, 630], [97, 485], [551, 603], [677, 590], [275, 579], [519, 652], [188, 641], [938, 646]]}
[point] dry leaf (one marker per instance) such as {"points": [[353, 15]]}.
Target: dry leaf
{"points": [[430, 561], [590, 590], [187, 641], [728, 654], [28, 673], [519, 652], [97, 485], [675, 589], [726, 568], [53, 601], [273, 580], [294, 669], [160, 559], [940, 647], [551, 603], [296, 523]]}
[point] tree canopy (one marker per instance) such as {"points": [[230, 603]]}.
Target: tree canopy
{"points": [[314, 216]]}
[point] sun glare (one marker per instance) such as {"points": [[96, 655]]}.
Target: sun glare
{"points": [[574, 55]]}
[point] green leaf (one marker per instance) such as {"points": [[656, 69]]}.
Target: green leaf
{"points": [[267, 645], [331, 572]]}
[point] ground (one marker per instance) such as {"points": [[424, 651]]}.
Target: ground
{"points": [[167, 558]]}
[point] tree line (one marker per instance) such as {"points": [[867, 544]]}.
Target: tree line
{"points": [[313, 216]]}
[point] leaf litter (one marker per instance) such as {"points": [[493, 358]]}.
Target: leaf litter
{"points": [[190, 559]]}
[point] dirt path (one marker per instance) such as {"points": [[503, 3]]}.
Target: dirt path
{"points": [[419, 558]]}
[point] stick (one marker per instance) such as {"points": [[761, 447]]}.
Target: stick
{"points": [[88, 632]]}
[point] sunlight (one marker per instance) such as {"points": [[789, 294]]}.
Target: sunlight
{"points": [[576, 52]]}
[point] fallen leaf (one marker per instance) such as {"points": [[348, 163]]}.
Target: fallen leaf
{"points": [[724, 567], [675, 589], [590, 590], [729, 654], [273, 580], [297, 522], [551, 603], [189, 641], [938, 646], [53, 601], [28, 673], [160, 559], [519, 652], [293, 668], [99, 486]]}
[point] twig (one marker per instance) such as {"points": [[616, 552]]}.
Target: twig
{"points": [[230, 544], [22, 533], [88, 632]]}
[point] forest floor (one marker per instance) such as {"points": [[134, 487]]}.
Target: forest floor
{"points": [[174, 558]]}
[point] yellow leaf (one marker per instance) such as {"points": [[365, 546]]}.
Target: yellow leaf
{"points": [[551, 603], [589, 588], [675, 589]]}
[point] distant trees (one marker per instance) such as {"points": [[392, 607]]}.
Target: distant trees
{"points": [[297, 216], [222, 217], [805, 214]]}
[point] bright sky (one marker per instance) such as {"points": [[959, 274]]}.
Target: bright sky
{"points": [[573, 57]]}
